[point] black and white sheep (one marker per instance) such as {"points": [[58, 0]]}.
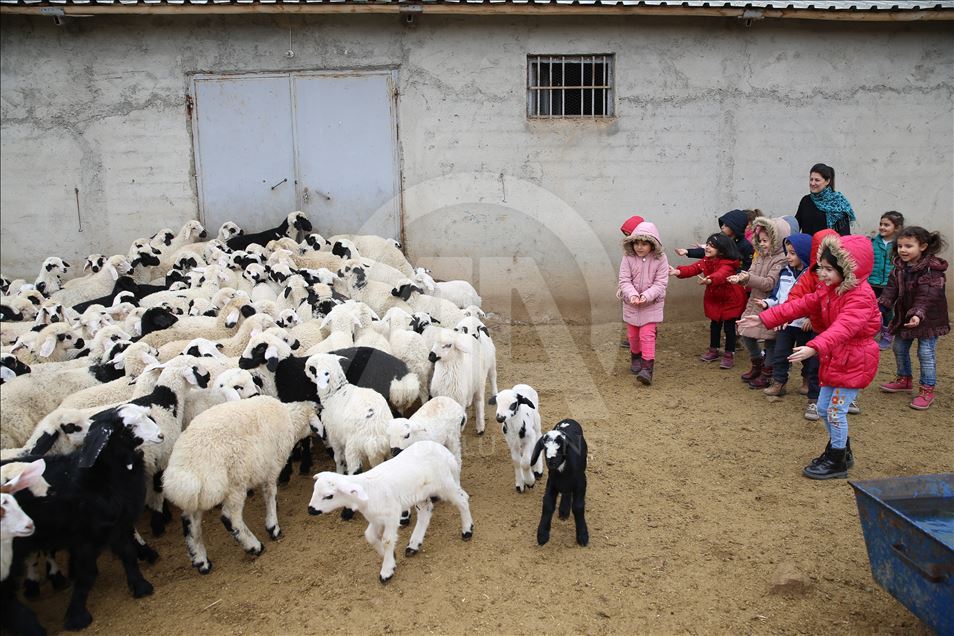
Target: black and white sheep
{"points": [[518, 412], [564, 450], [295, 222]]}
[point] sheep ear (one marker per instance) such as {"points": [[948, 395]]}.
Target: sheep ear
{"points": [[537, 449], [27, 477], [46, 349], [93, 445], [45, 443], [355, 491], [113, 272], [523, 400], [462, 344]]}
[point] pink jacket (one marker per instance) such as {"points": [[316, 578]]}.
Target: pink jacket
{"points": [[647, 276]]}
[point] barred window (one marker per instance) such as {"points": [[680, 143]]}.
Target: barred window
{"points": [[570, 86]]}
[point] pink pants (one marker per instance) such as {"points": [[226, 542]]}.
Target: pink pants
{"points": [[642, 340]]}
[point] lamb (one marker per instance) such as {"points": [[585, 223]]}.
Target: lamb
{"points": [[231, 346], [227, 450], [383, 250], [294, 223], [60, 432], [440, 420], [94, 262], [443, 310], [96, 495], [13, 521], [566, 462], [48, 280], [423, 473], [459, 372], [376, 295], [228, 230], [459, 292], [409, 346], [54, 343], [85, 288], [230, 385], [519, 417], [135, 360], [472, 326], [218, 328]]}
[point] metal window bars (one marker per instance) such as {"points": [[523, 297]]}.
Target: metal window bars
{"points": [[570, 86]]}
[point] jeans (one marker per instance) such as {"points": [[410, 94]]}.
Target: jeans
{"points": [[752, 346], [886, 312], [642, 340], [786, 340], [926, 349], [833, 408], [715, 333]]}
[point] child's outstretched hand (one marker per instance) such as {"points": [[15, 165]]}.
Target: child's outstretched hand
{"points": [[673, 271], [681, 251], [704, 280], [914, 322], [735, 279], [750, 321], [762, 303], [801, 353]]}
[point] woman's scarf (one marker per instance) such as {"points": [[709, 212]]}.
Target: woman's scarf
{"points": [[834, 205]]}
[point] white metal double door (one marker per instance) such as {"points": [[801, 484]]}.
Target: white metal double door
{"points": [[324, 143]]}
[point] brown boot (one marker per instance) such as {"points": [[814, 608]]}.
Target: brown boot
{"points": [[754, 371], [803, 390], [646, 373], [635, 363], [776, 389], [763, 380]]}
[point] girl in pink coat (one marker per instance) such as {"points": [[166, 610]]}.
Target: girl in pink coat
{"points": [[846, 349], [643, 277]]}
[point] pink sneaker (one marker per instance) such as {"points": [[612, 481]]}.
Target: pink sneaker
{"points": [[900, 384], [728, 360], [711, 355], [924, 399]]}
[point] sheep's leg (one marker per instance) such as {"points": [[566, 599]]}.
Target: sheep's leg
{"points": [[154, 500], [143, 551], [538, 467], [270, 490], [124, 547], [517, 461], [352, 467], [192, 529], [424, 512], [388, 541], [306, 463], [372, 535], [566, 500], [579, 503], [31, 582], [529, 479], [459, 497], [493, 377], [285, 475], [549, 505], [83, 572], [53, 573], [479, 407], [235, 524]]}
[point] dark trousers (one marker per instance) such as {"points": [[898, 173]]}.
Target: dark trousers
{"points": [[716, 327], [786, 340], [886, 312]]}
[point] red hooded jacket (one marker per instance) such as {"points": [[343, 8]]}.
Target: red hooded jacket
{"points": [[847, 352], [721, 300], [807, 283]]}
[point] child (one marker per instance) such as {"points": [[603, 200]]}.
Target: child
{"points": [[761, 280], [891, 223], [797, 248], [627, 228], [915, 292], [847, 352], [643, 278], [722, 302], [732, 224]]}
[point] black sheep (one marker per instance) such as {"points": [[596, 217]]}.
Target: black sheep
{"points": [[296, 220], [564, 449], [96, 495]]}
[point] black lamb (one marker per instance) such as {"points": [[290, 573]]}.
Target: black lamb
{"points": [[564, 449], [296, 220]]}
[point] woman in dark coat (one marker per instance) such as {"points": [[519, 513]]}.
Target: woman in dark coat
{"points": [[824, 207]]}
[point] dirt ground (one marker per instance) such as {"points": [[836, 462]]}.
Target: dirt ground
{"points": [[695, 501]]}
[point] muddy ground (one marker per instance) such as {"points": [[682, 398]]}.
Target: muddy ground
{"points": [[695, 502]]}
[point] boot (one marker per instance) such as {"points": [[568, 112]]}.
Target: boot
{"points": [[711, 355], [924, 399], [754, 371], [776, 389], [832, 465], [646, 373], [900, 384], [803, 390], [849, 456], [728, 360], [635, 362], [762, 380]]}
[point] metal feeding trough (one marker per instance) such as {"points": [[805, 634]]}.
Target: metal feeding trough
{"points": [[908, 524]]}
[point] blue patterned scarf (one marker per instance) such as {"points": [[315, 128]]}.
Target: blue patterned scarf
{"points": [[834, 205]]}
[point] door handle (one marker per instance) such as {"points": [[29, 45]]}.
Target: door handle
{"points": [[279, 183]]}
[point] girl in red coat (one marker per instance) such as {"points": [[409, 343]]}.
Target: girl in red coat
{"points": [[722, 302], [847, 351], [915, 292]]}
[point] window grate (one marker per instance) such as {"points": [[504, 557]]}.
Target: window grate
{"points": [[564, 86]]}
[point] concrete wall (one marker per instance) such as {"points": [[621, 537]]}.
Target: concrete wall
{"points": [[710, 115]]}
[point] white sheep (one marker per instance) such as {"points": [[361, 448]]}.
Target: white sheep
{"points": [[227, 450], [518, 412], [230, 385], [137, 357], [423, 473], [79, 290], [459, 292], [48, 280], [409, 346], [384, 250], [376, 295], [62, 431], [459, 372], [473, 327], [440, 420], [54, 343]]}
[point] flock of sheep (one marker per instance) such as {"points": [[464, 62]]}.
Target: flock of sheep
{"points": [[190, 371]]}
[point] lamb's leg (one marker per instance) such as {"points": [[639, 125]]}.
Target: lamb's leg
{"points": [[285, 475], [579, 503], [493, 377], [529, 479], [549, 506], [566, 500], [83, 572], [388, 541], [479, 407], [538, 467], [352, 467], [424, 512], [143, 551], [235, 524], [124, 547], [516, 460], [306, 462], [459, 497], [53, 572], [154, 501], [270, 490], [372, 535], [192, 529]]}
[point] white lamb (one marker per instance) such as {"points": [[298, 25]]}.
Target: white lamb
{"points": [[459, 372], [230, 385], [48, 280], [440, 420], [423, 473], [459, 292], [473, 327], [85, 288], [227, 450], [518, 412]]}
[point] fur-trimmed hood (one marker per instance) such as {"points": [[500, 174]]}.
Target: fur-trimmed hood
{"points": [[645, 231], [854, 256], [777, 230]]}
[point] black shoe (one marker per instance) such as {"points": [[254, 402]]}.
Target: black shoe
{"points": [[635, 363], [849, 456], [821, 457], [833, 466]]}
